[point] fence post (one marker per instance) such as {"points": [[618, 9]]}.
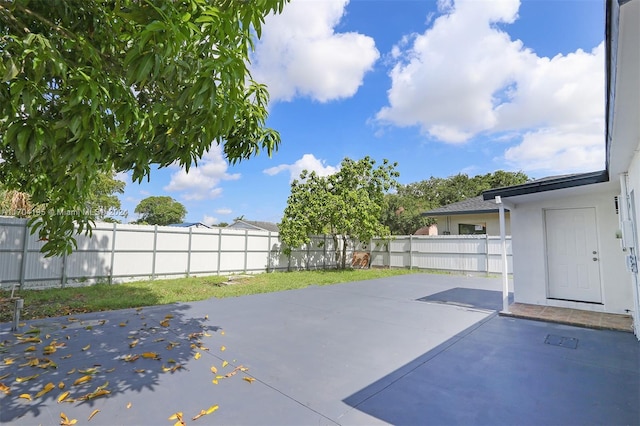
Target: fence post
{"points": [[410, 252], [306, 260], [389, 252], [63, 272], [324, 252], [113, 253], [189, 253], [219, 249], [155, 242], [246, 249], [268, 251], [25, 252], [486, 249]]}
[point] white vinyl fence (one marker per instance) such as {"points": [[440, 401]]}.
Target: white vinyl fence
{"points": [[122, 252]]}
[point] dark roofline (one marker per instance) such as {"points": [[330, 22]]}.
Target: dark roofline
{"points": [[552, 184], [454, 213]]}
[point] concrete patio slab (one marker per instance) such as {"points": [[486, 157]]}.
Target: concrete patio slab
{"points": [[358, 353]]}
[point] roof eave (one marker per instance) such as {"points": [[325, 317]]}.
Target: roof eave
{"points": [[581, 179]]}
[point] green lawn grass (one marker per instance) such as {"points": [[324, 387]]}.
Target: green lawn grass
{"points": [[105, 297]]}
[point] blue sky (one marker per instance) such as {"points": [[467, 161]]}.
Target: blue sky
{"points": [[440, 87]]}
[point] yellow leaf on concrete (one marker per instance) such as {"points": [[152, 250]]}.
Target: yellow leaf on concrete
{"points": [[198, 355], [122, 324], [164, 323], [25, 396], [134, 343], [93, 413], [5, 389], [150, 355], [214, 381], [214, 370], [176, 416], [61, 385], [224, 364], [249, 379], [223, 348], [83, 379], [63, 396], [86, 348], [222, 333], [30, 349], [9, 361], [207, 334], [47, 388], [73, 370], [26, 378], [129, 405], [65, 421]]}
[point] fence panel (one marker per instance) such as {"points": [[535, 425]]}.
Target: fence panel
{"points": [[122, 252]]}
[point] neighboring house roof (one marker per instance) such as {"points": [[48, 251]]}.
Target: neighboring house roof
{"points": [[190, 224], [254, 224], [475, 205]]}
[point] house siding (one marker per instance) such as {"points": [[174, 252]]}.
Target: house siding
{"points": [[530, 263], [492, 221]]}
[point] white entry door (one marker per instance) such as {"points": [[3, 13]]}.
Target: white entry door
{"points": [[573, 270]]}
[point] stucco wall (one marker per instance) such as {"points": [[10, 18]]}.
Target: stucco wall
{"points": [[529, 261], [491, 220]]}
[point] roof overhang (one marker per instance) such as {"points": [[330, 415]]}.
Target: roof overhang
{"points": [[466, 212]]}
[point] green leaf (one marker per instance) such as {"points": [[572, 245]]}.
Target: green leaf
{"points": [[11, 71]]}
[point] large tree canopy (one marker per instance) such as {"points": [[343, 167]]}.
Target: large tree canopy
{"points": [[160, 210], [89, 86], [403, 214], [346, 204]]}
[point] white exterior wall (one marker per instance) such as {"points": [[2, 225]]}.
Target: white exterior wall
{"points": [[491, 221], [529, 262]]}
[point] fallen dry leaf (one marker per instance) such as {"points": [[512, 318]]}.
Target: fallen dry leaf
{"points": [[9, 361], [30, 349], [151, 355], [164, 323], [63, 396], [61, 385], [83, 379], [26, 378], [4, 376], [86, 348], [73, 370], [123, 324], [223, 348], [214, 370], [129, 405], [65, 357], [47, 388], [93, 413], [5, 389], [177, 416], [205, 412], [197, 355], [134, 343], [130, 358], [214, 381], [224, 364], [249, 379], [25, 396], [64, 420]]}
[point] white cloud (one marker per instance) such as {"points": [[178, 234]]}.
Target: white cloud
{"points": [[123, 177], [209, 220], [224, 211], [465, 77], [300, 54], [202, 182], [308, 162]]}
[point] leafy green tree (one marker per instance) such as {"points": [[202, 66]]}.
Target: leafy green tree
{"points": [[161, 210], [346, 204], [403, 214], [102, 201], [91, 86]]}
